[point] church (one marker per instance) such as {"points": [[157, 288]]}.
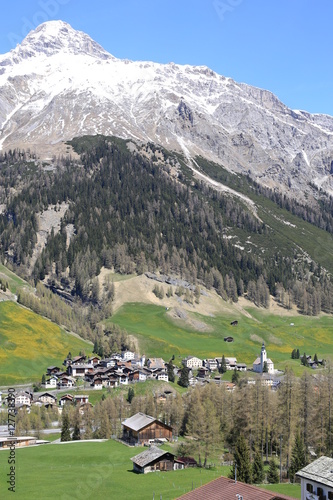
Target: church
{"points": [[258, 364]]}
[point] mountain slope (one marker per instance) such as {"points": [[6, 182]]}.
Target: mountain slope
{"points": [[59, 84]]}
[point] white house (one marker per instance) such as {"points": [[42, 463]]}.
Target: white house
{"points": [[211, 364], [127, 355], [192, 362], [317, 480], [258, 364], [163, 376], [22, 398], [231, 363], [51, 383]]}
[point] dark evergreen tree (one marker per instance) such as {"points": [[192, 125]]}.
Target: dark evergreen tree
{"points": [[76, 432], [235, 377], [257, 468], [298, 457], [241, 462], [183, 379], [43, 379], [273, 472], [130, 395], [65, 428], [223, 367], [171, 373]]}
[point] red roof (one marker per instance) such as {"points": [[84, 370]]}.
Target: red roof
{"points": [[227, 489]]}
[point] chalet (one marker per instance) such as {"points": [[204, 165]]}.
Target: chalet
{"points": [[66, 399], [22, 398], [137, 376], [211, 364], [203, 372], [231, 363], [94, 360], [113, 381], [163, 376], [192, 362], [141, 428], [228, 339], [234, 323], [81, 398], [241, 367], [127, 355], [230, 387], [155, 459], [47, 397], [97, 383], [66, 381], [154, 363], [228, 489], [108, 362], [317, 479], [79, 370], [78, 360], [52, 370], [51, 383]]}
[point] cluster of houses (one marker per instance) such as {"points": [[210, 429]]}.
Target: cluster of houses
{"points": [[26, 399], [119, 369]]}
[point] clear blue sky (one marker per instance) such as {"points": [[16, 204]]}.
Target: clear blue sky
{"points": [[281, 45]]}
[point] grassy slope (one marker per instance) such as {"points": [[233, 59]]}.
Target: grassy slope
{"points": [[159, 336], [104, 470], [14, 282], [30, 343]]}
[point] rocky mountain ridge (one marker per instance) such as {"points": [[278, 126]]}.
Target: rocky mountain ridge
{"points": [[59, 84]]}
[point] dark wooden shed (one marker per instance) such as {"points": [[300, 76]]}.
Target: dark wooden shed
{"points": [[141, 428], [154, 459]]}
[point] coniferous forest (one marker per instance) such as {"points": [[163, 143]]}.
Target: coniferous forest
{"points": [[142, 210]]}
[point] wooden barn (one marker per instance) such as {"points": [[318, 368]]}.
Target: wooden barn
{"points": [[141, 428], [155, 459]]}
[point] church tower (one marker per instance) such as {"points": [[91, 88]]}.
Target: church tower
{"points": [[263, 357]]}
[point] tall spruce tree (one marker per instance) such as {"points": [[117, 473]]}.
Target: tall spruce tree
{"points": [[65, 428], [257, 468], [298, 457], [241, 461], [273, 472], [183, 379]]}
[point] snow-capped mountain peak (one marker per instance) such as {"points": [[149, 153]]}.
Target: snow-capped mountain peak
{"points": [[59, 83], [54, 37]]}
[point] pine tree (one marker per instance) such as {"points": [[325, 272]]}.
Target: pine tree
{"points": [[298, 459], [76, 432], [43, 379], [183, 379], [241, 461], [171, 374], [130, 395], [235, 377], [65, 429], [257, 469], [223, 367], [273, 472]]}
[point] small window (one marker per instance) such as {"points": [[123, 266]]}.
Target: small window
{"points": [[309, 487], [320, 492], [330, 495]]}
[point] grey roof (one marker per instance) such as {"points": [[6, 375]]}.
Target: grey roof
{"points": [[138, 421], [148, 456], [321, 471]]}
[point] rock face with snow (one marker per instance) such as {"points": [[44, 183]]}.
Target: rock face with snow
{"points": [[59, 83]]}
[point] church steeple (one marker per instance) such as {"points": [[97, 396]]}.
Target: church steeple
{"points": [[263, 357]]}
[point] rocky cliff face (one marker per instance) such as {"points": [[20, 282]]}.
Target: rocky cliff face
{"points": [[59, 83]]}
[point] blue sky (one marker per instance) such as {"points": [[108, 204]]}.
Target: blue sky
{"points": [[281, 45]]}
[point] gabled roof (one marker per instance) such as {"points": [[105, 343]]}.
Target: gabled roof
{"points": [[138, 421], [148, 456], [321, 471], [227, 489]]}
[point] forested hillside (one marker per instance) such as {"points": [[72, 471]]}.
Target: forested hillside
{"points": [[138, 209]]}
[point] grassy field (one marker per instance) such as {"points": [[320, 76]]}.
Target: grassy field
{"points": [[159, 335], [103, 470], [30, 343], [14, 281]]}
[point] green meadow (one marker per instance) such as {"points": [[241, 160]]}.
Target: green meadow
{"points": [[29, 343], [95, 471], [15, 283], [159, 335]]}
